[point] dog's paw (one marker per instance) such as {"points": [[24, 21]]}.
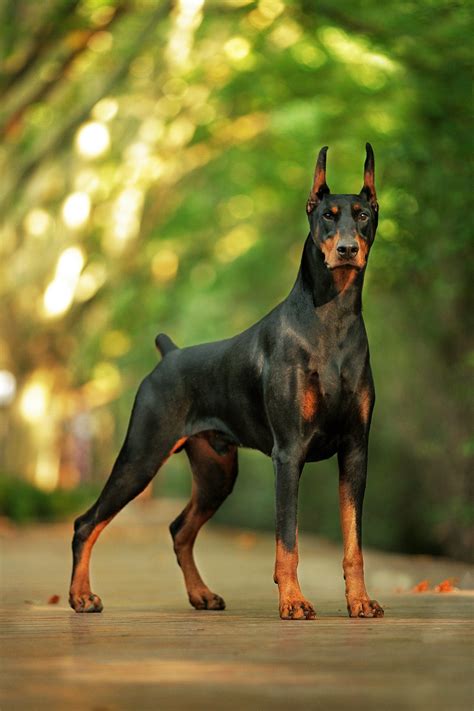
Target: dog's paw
{"points": [[206, 600], [364, 608], [297, 609], [87, 602]]}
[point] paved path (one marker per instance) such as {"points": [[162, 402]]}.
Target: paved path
{"points": [[149, 650]]}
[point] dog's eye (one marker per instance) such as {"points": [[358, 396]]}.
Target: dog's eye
{"points": [[363, 216], [328, 216]]}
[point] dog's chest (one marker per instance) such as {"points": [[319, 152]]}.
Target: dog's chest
{"points": [[326, 390]]}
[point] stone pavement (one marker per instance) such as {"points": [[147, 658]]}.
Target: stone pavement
{"points": [[149, 650]]}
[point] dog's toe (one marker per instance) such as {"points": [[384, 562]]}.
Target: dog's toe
{"points": [[364, 608], [86, 602], [206, 600], [216, 603], [297, 610]]}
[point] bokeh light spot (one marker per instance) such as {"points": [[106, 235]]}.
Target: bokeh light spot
{"points": [[240, 206], [7, 387], [90, 281], [106, 109], [115, 344], [92, 139], [271, 8], [58, 297], [388, 229], [285, 34], [59, 293], [164, 265], [106, 378], [237, 48], [308, 54], [180, 132], [76, 210], [34, 401], [70, 263], [235, 243], [101, 42], [37, 222]]}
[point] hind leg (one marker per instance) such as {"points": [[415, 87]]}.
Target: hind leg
{"points": [[150, 439], [213, 480]]}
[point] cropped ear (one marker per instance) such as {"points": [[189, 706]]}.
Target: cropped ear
{"points": [[320, 187], [368, 189]]}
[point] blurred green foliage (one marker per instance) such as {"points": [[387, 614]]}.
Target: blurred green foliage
{"points": [[23, 502], [210, 118]]}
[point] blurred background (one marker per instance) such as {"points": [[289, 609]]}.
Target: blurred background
{"points": [[156, 159]]}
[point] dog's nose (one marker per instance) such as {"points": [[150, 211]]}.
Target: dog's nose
{"points": [[347, 251]]}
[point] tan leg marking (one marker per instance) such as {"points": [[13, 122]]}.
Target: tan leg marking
{"points": [[365, 405], [358, 602], [293, 604], [199, 594], [81, 598], [210, 469]]}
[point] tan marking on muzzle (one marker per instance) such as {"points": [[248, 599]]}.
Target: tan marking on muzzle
{"points": [[329, 246], [363, 251]]}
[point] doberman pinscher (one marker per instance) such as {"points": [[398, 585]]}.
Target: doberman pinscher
{"points": [[297, 386]]}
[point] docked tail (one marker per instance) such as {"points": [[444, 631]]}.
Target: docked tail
{"points": [[164, 344]]}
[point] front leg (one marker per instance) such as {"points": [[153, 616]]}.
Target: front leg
{"points": [[293, 605], [352, 459]]}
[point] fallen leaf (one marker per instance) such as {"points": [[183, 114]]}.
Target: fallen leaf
{"points": [[446, 585], [422, 586]]}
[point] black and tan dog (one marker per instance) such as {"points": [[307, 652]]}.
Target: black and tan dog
{"points": [[297, 386]]}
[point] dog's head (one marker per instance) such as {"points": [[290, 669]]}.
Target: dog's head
{"points": [[343, 226]]}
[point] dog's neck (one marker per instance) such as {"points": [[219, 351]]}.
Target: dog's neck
{"points": [[342, 287]]}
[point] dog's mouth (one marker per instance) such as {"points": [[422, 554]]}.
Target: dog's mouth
{"points": [[343, 265]]}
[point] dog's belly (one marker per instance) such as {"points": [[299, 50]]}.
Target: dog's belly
{"points": [[220, 438], [241, 432], [236, 410], [322, 446]]}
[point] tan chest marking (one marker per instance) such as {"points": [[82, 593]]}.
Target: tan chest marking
{"points": [[309, 404], [365, 404]]}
